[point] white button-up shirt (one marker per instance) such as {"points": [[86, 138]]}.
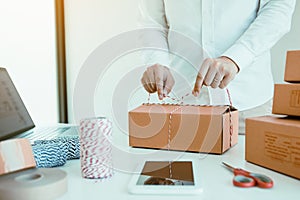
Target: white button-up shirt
{"points": [[187, 31]]}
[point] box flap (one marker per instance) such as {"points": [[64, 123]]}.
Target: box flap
{"points": [[281, 120], [186, 109]]}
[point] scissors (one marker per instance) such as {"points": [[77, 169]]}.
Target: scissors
{"points": [[243, 178]]}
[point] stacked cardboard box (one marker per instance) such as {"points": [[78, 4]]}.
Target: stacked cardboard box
{"points": [[287, 96], [273, 141]]}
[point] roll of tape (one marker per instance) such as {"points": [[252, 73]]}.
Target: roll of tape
{"points": [[33, 184], [15, 155]]}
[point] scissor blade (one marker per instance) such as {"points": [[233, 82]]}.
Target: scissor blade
{"points": [[228, 166]]}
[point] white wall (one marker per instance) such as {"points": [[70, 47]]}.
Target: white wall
{"points": [[27, 50], [290, 41], [89, 23]]}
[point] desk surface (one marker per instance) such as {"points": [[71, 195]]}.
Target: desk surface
{"points": [[216, 180]]}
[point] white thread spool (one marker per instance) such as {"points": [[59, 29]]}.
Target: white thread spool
{"points": [[95, 148], [19, 177]]}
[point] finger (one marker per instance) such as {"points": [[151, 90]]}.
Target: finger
{"points": [[159, 81], [211, 74], [150, 77], [226, 80], [217, 80], [146, 85], [169, 83], [200, 77]]}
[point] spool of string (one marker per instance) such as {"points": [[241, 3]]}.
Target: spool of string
{"points": [[95, 148], [19, 177], [55, 152], [70, 142], [50, 155]]}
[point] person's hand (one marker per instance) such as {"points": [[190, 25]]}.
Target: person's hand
{"points": [[216, 72], [158, 78]]}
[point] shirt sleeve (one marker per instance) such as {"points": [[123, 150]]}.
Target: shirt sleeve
{"points": [[153, 32], [272, 22]]}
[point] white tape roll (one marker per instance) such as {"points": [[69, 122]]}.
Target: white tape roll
{"points": [[19, 179], [33, 184]]}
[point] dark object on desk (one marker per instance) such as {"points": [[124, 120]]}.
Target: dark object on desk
{"points": [[158, 181]]}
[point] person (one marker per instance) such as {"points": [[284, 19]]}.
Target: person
{"points": [[235, 35]]}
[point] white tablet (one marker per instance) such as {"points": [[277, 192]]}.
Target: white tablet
{"points": [[166, 177]]}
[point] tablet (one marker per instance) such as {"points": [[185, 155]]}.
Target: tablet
{"points": [[166, 177]]}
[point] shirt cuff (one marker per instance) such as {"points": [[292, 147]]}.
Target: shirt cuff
{"points": [[240, 54]]}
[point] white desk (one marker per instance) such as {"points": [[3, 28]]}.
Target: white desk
{"points": [[217, 180]]}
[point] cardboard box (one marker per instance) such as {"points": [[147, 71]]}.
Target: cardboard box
{"points": [[192, 128], [292, 67], [274, 143], [286, 99]]}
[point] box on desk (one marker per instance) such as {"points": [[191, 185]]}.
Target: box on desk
{"points": [[274, 143], [184, 128], [292, 67], [286, 99]]}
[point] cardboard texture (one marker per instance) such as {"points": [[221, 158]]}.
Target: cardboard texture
{"points": [[292, 67], [192, 128], [274, 143], [286, 99]]}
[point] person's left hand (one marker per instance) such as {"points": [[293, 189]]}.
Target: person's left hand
{"points": [[216, 72]]}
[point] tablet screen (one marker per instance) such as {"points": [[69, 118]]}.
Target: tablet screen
{"points": [[167, 173]]}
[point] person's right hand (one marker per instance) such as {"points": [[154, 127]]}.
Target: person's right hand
{"points": [[158, 78]]}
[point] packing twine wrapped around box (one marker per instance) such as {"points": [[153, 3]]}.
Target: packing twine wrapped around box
{"points": [[96, 148], [180, 103], [55, 152]]}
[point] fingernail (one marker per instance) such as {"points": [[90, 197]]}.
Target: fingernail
{"points": [[165, 93], [196, 94], [160, 97]]}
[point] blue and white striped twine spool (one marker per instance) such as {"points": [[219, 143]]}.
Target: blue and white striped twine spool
{"points": [[50, 155], [53, 153]]}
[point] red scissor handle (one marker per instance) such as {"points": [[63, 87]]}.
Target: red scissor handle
{"points": [[246, 179], [243, 181], [262, 181]]}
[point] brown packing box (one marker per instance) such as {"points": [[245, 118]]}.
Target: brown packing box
{"points": [[274, 143], [286, 99], [193, 128], [292, 67]]}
